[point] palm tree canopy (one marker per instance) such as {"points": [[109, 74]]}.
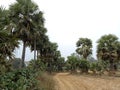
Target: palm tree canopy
{"points": [[84, 47], [7, 41], [21, 14], [107, 47]]}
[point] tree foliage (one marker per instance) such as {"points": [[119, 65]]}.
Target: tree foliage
{"points": [[72, 62], [28, 21], [108, 49], [84, 47]]}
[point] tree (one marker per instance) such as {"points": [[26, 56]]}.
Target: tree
{"points": [[39, 42], [59, 63], [84, 47], [84, 65], [72, 62], [40, 30], [21, 14], [49, 54], [7, 41], [107, 49]]}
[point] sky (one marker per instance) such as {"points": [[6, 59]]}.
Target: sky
{"points": [[69, 20]]}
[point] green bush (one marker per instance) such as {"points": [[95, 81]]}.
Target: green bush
{"points": [[84, 65], [99, 66], [5, 66], [37, 65], [23, 79], [93, 67]]}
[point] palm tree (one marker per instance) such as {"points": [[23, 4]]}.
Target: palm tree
{"points": [[72, 62], [42, 42], [7, 41], [39, 29], [84, 47], [21, 14], [107, 49]]}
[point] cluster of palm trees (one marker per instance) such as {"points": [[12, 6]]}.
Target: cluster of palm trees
{"points": [[108, 51], [23, 21]]}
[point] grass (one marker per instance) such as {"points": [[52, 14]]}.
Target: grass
{"points": [[46, 81]]}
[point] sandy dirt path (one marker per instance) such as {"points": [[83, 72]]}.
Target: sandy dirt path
{"points": [[66, 81]]}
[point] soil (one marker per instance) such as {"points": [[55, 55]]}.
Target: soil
{"points": [[66, 81]]}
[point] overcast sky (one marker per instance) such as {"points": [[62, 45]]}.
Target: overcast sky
{"points": [[69, 20]]}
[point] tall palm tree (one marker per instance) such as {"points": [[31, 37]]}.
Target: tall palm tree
{"points": [[21, 14], [108, 49], [39, 29], [84, 47], [41, 44]]}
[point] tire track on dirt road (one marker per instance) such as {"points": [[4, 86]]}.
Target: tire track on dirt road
{"points": [[66, 81]]}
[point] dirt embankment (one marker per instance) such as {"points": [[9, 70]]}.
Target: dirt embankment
{"points": [[66, 81]]}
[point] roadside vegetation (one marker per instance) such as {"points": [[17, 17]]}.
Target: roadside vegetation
{"points": [[23, 23], [108, 56]]}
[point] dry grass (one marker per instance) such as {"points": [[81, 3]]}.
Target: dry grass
{"points": [[46, 82]]}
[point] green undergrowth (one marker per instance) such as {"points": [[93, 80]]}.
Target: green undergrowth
{"points": [[23, 79], [26, 79]]}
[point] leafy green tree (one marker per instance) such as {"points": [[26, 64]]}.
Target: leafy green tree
{"points": [[107, 49], [93, 66], [118, 51], [84, 65], [60, 63], [49, 55], [84, 47], [99, 66], [72, 62]]}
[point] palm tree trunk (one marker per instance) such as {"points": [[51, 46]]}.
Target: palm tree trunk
{"points": [[22, 64], [35, 49], [37, 54]]}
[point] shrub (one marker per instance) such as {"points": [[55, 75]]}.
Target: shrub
{"points": [[23, 79], [93, 67], [84, 65], [99, 66], [37, 65], [5, 66]]}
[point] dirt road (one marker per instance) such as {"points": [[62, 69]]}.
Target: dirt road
{"points": [[66, 81]]}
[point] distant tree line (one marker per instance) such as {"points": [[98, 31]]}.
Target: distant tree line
{"points": [[108, 55]]}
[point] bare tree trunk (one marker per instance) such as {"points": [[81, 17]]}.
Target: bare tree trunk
{"points": [[112, 69], [37, 54], [35, 49], [22, 63]]}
